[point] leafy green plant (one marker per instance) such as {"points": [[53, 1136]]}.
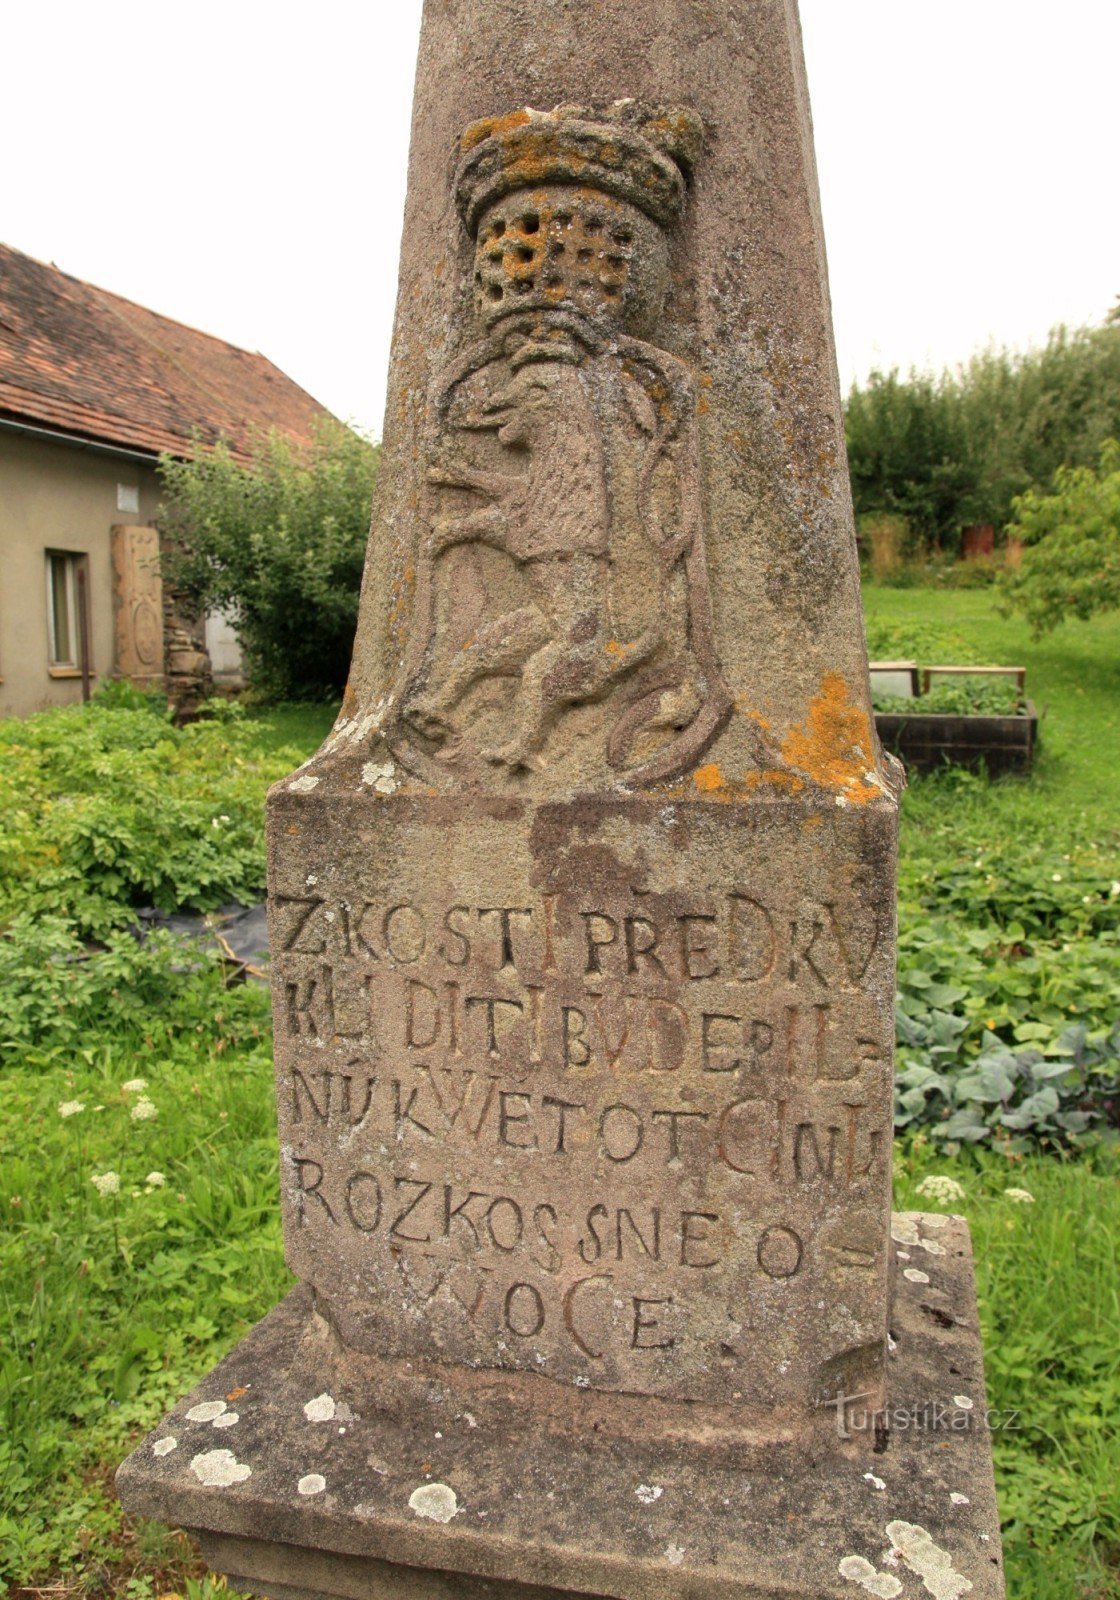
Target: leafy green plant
{"points": [[1051, 1095], [931, 643], [103, 810], [970, 697]]}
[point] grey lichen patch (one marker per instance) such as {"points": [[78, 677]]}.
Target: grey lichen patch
{"points": [[906, 1229], [964, 1401], [354, 730], [381, 777], [164, 1447], [435, 1501], [914, 1275], [311, 1483], [857, 1569], [217, 1469], [208, 1411], [648, 1493], [303, 785], [674, 1554], [321, 1409], [932, 1564], [876, 1483], [228, 1419]]}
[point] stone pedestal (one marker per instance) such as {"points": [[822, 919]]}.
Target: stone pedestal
{"points": [[549, 1490], [595, 1090]]}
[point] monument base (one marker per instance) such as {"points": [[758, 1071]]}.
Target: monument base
{"points": [[327, 1486]]}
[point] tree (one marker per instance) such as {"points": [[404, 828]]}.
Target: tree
{"points": [[908, 453], [1071, 560], [279, 545], [959, 448]]}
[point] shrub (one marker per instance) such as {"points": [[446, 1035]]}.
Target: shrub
{"points": [[1071, 536], [279, 546]]}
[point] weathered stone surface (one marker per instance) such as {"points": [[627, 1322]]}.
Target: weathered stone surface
{"points": [[598, 1090], [557, 1500], [137, 604], [731, 316], [582, 920], [584, 914]]}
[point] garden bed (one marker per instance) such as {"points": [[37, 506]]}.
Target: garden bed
{"points": [[964, 716], [926, 740]]}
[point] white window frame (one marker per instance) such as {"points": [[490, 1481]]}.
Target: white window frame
{"points": [[71, 558]]}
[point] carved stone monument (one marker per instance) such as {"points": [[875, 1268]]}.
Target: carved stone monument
{"points": [[583, 917], [138, 605]]}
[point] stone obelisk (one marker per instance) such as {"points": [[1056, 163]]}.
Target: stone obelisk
{"points": [[582, 920]]}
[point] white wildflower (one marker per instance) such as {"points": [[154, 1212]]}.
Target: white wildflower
{"points": [[1021, 1197], [70, 1108], [144, 1110], [155, 1180], [939, 1186], [106, 1183], [134, 1086], [1057, 877]]}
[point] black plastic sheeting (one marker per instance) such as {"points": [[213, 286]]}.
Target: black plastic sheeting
{"points": [[239, 933]]}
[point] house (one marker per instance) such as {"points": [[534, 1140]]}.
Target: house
{"points": [[92, 389]]}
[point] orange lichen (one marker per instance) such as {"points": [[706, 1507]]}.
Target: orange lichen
{"points": [[490, 126], [714, 784], [835, 746], [774, 778], [709, 779], [745, 710]]}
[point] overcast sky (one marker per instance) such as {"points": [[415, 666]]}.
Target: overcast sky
{"points": [[241, 166]]}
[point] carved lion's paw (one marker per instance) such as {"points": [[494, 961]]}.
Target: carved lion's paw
{"points": [[428, 718]]}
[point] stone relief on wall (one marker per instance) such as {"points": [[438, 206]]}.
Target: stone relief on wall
{"points": [[562, 611]]}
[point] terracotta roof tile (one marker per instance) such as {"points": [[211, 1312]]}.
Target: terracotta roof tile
{"points": [[80, 360]]}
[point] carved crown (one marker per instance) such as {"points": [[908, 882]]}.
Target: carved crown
{"points": [[636, 153]]}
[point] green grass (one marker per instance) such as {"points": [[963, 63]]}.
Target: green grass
{"points": [[1048, 1278], [302, 725], [111, 1307], [1073, 677], [1048, 1275]]}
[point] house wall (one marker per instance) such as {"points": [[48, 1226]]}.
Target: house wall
{"points": [[57, 497]]}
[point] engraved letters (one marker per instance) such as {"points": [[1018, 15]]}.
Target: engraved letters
{"points": [[559, 1116]]}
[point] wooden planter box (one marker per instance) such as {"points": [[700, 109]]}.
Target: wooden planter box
{"points": [[926, 741]]}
